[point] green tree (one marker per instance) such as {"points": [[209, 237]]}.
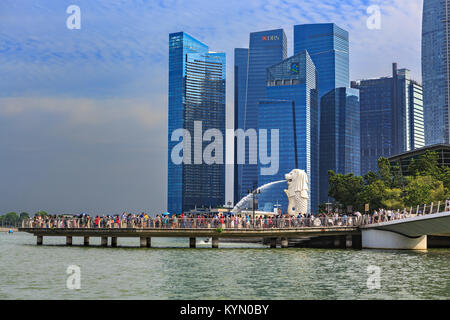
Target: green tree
{"points": [[385, 171], [41, 213], [345, 189], [23, 216], [374, 194], [10, 218], [419, 190], [426, 165], [393, 198], [370, 177]]}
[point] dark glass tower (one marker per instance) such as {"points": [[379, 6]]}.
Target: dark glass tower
{"points": [[391, 117], [436, 70], [328, 46], [292, 107], [196, 93], [265, 49], [339, 136]]}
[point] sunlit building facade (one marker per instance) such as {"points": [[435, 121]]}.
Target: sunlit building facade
{"points": [[196, 93], [292, 107], [436, 70], [265, 49]]}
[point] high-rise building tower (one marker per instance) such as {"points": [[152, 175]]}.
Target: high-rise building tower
{"points": [[339, 136], [436, 70], [265, 49], [196, 94], [292, 107], [391, 117], [328, 46]]}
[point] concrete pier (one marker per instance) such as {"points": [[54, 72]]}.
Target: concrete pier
{"points": [[114, 242], [143, 242], [86, 241], [39, 240], [284, 242], [215, 242], [68, 240], [192, 242], [273, 242], [380, 239], [104, 241]]}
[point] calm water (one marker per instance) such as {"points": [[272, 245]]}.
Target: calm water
{"points": [[239, 271]]}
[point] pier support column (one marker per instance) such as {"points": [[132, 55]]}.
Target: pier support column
{"points": [[143, 242], [39, 240], [215, 242], [380, 239], [86, 241], [104, 241], [114, 242], [192, 242], [284, 242], [348, 241], [148, 242], [356, 241], [68, 240], [339, 241], [273, 242]]}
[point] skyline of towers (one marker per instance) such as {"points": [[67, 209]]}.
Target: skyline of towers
{"points": [[196, 93], [436, 70], [398, 122]]}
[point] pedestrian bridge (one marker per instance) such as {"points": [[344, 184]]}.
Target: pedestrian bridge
{"points": [[408, 233], [402, 231]]}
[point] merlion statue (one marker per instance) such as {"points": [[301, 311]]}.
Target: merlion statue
{"points": [[297, 192]]}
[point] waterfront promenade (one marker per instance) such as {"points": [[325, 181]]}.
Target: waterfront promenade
{"points": [[392, 229], [192, 228]]}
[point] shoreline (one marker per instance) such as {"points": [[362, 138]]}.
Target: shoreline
{"points": [[2, 229]]}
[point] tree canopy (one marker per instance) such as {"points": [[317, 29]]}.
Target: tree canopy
{"points": [[387, 188]]}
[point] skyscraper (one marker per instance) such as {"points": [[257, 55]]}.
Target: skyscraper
{"points": [[339, 136], [265, 49], [391, 117], [196, 93], [436, 70], [240, 96], [292, 107], [328, 46]]}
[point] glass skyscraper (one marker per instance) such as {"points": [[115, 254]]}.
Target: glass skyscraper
{"points": [[196, 93], [265, 49], [240, 96], [292, 107], [391, 117], [436, 70], [328, 46], [339, 136]]}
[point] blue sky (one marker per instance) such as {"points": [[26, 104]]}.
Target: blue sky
{"points": [[83, 113]]}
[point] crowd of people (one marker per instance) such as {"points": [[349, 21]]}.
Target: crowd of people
{"points": [[176, 221], [143, 220]]}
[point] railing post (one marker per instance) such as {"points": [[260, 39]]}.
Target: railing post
{"points": [[439, 206], [431, 209]]}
